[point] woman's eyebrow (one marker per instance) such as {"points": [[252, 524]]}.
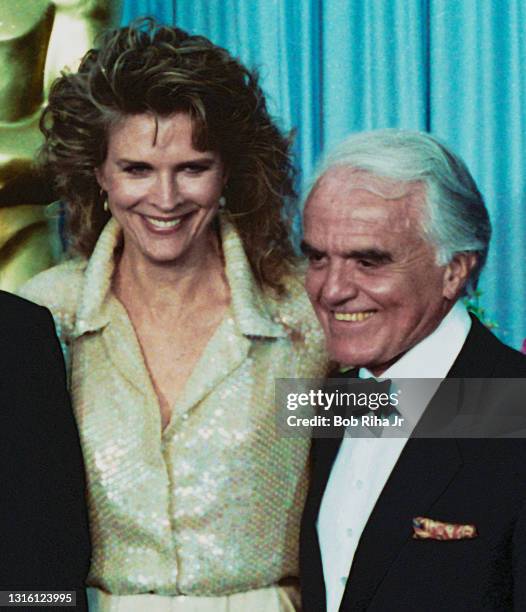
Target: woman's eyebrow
{"points": [[124, 161]]}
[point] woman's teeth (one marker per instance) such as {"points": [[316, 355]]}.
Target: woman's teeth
{"points": [[353, 316], [164, 224]]}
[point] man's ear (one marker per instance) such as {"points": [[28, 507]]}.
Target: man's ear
{"points": [[456, 274]]}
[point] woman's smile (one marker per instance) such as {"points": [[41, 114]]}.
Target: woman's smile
{"points": [[162, 191]]}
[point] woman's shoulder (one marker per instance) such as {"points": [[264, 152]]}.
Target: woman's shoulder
{"points": [[294, 302], [294, 310], [57, 288]]}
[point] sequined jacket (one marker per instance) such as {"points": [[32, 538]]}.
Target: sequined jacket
{"points": [[212, 504]]}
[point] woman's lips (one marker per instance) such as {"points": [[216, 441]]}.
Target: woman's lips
{"points": [[158, 225]]}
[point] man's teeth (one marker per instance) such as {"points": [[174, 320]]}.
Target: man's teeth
{"points": [[164, 224], [353, 316]]}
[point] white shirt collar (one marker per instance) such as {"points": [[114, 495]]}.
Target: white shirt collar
{"points": [[430, 359], [435, 355]]}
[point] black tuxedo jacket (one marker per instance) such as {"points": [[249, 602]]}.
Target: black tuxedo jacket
{"points": [[466, 481], [44, 541]]}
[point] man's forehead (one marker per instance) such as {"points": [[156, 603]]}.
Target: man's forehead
{"points": [[340, 181], [349, 196]]}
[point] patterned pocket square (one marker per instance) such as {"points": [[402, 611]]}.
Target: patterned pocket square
{"points": [[428, 529]]}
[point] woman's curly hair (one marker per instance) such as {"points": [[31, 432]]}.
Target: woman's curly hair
{"points": [[148, 68]]}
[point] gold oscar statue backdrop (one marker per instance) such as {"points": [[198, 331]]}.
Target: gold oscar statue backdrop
{"points": [[38, 39]]}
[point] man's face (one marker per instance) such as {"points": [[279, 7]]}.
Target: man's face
{"points": [[372, 278]]}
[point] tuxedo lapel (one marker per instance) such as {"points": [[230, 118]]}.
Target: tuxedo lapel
{"points": [[311, 570], [424, 470], [479, 355], [324, 451]]}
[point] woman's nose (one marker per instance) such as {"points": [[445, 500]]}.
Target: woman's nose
{"points": [[166, 194]]}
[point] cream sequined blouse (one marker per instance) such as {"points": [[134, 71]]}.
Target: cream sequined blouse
{"points": [[212, 504]]}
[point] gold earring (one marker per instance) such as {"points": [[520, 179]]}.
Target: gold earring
{"points": [[105, 206]]}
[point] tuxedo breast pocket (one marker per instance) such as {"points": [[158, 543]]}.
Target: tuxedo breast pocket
{"points": [[437, 561], [425, 528], [445, 550], [427, 571]]}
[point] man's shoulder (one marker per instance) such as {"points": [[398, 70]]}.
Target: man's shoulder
{"points": [[485, 356], [508, 363], [18, 312], [13, 306], [24, 328], [511, 363], [57, 288]]}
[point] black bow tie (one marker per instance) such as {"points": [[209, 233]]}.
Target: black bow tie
{"points": [[348, 382], [379, 387]]}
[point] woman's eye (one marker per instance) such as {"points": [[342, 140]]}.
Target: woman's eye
{"points": [[136, 170], [195, 168]]}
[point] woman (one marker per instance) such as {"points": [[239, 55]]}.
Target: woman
{"points": [[181, 309]]}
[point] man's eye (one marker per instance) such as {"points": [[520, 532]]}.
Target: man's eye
{"points": [[367, 263], [315, 258]]}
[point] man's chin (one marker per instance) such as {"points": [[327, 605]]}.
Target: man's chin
{"points": [[351, 357], [344, 357]]}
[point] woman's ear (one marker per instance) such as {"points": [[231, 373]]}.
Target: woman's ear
{"points": [[99, 175], [226, 174], [457, 273]]}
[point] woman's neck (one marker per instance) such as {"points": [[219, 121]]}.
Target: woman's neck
{"points": [[161, 287]]}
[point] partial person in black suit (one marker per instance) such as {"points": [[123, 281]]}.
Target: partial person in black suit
{"points": [[44, 542], [395, 232]]}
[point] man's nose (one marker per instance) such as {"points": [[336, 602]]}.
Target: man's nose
{"points": [[339, 285]]}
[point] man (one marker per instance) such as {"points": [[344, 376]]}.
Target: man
{"points": [[44, 543], [395, 232]]}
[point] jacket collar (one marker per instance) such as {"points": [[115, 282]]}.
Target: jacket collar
{"points": [[252, 311]]}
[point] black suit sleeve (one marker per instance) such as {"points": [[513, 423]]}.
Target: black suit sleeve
{"points": [[44, 541]]}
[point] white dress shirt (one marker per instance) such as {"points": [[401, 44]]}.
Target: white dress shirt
{"points": [[363, 465]]}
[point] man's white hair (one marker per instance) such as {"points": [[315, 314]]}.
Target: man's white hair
{"points": [[456, 219]]}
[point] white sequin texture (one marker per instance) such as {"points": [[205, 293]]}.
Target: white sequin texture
{"points": [[211, 506]]}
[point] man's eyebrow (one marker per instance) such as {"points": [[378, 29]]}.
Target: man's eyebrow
{"points": [[308, 249], [375, 255]]}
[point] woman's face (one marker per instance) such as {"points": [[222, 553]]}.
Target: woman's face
{"points": [[161, 190]]}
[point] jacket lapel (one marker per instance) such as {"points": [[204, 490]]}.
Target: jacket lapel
{"points": [[224, 353], [323, 454], [311, 569], [424, 470], [250, 318]]}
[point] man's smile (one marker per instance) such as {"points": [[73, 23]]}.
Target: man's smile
{"points": [[354, 316]]}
